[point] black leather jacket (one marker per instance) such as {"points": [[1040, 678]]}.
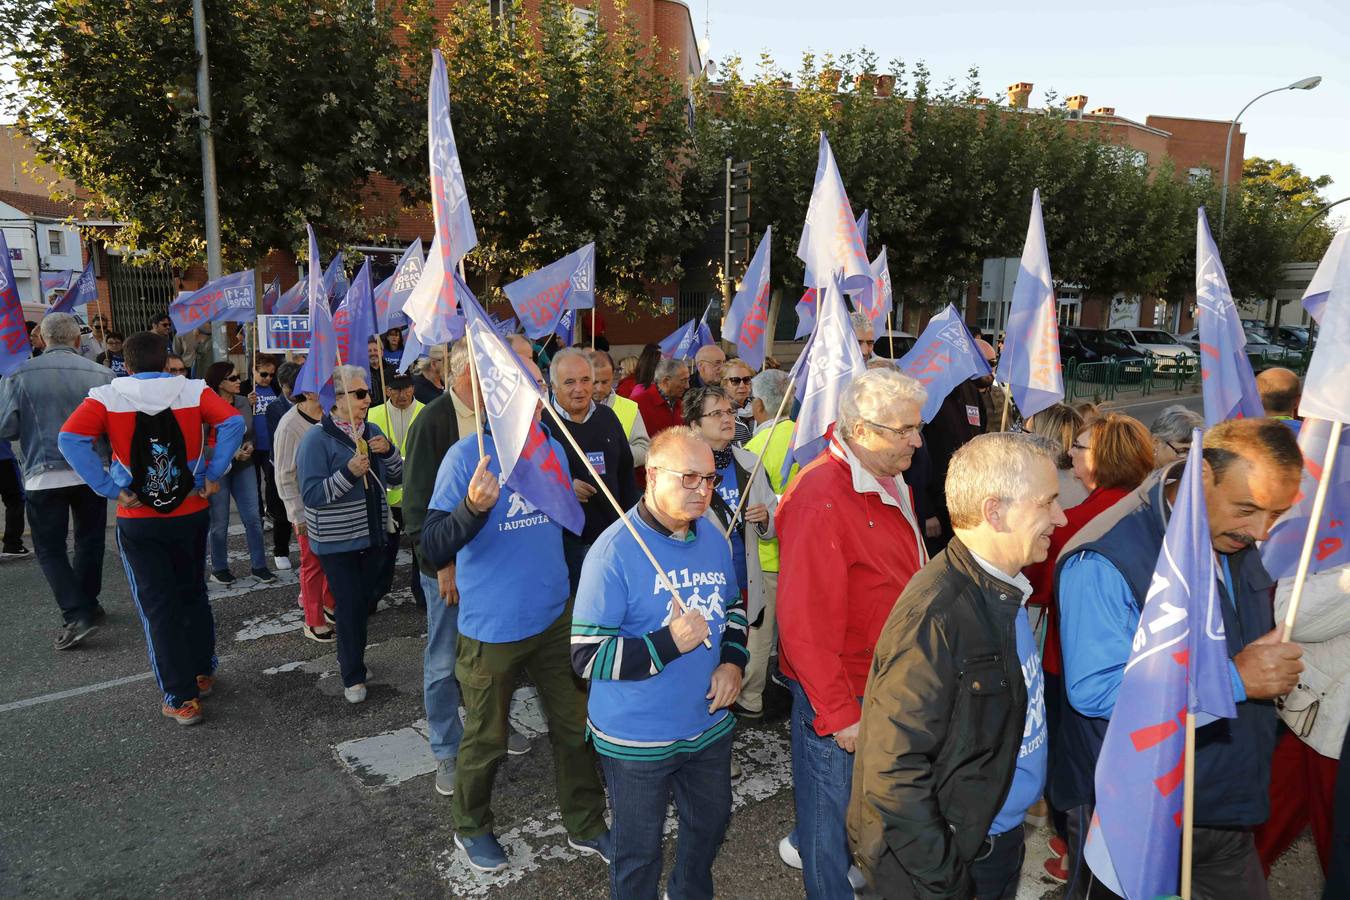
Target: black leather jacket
{"points": [[941, 728]]}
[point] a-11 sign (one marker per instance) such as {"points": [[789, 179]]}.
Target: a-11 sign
{"points": [[283, 334]]}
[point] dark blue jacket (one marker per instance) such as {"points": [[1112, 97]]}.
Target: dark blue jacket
{"points": [[1232, 757]]}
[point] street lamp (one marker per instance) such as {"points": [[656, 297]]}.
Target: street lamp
{"points": [[1303, 84]]}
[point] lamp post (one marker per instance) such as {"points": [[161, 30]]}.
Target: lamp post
{"points": [[210, 203], [1303, 84]]}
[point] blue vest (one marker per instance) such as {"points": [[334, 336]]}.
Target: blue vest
{"points": [[1232, 756]]}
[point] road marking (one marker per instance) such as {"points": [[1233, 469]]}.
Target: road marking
{"points": [[74, 692]]}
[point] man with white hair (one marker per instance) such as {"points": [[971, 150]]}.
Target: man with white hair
{"points": [[35, 401], [659, 402], [708, 364], [850, 543], [952, 748], [864, 332]]}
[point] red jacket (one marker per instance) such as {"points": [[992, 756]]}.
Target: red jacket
{"points": [[1042, 574], [657, 414], [846, 554]]}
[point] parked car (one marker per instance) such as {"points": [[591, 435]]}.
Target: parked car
{"points": [[1152, 343], [1295, 337], [1091, 345], [893, 344], [1257, 325]]}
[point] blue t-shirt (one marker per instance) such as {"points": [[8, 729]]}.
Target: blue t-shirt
{"points": [[118, 364], [1029, 777], [262, 432], [619, 589], [392, 357], [512, 577], [731, 495]]}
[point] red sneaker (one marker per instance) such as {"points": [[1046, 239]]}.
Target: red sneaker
{"points": [[1058, 846], [1055, 868], [190, 713], [205, 684]]}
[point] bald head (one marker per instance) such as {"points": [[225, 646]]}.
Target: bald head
{"points": [[709, 360], [1280, 391]]}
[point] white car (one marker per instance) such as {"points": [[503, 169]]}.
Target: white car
{"points": [[1162, 347]]}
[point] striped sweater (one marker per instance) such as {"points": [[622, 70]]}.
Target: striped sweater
{"points": [[343, 513], [647, 699]]}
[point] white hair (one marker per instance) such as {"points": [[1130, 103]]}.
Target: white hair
{"points": [[993, 465], [769, 388], [873, 393], [1176, 424], [459, 357], [60, 329], [569, 353], [860, 324], [345, 376], [667, 368]]}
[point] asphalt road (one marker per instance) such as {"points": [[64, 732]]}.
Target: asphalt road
{"points": [[287, 790]]}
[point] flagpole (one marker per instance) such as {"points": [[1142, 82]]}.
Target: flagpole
{"points": [[593, 305], [1310, 539], [473, 377], [623, 515], [1007, 402], [1188, 809], [759, 462], [365, 482]]}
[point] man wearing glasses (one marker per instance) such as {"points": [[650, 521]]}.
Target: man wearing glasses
{"points": [[850, 543], [657, 712]]}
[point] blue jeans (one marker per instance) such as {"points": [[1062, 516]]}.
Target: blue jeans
{"points": [[822, 778], [243, 487], [639, 791], [440, 690]]}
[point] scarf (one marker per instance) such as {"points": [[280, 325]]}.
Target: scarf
{"points": [[351, 435]]}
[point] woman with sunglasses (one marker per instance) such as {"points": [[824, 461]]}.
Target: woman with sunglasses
{"points": [[346, 465], [240, 483]]}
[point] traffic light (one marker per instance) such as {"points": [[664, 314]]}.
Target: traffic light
{"points": [[738, 215]]}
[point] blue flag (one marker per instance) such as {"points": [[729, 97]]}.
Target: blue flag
{"points": [[511, 399], [877, 298], [293, 300], [392, 293], [830, 241], [567, 327], [747, 324], [271, 296], [540, 297], [14, 344], [1179, 663], [1226, 379], [56, 281], [227, 299], [1281, 550], [1030, 363], [942, 358], [81, 292], [316, 376], [1318, 290], [831, 360], [689, 338], [806, 314], [335, 283], [449, 198], [413, 349], [1325, 394], [354, 321], [863, 222]]}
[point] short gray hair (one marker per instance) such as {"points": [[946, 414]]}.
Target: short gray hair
{"points": [[667, 368], [873, 392], [459, 357], [347, 375], [769, 387], [1175, 424], [993, 465], [568, 353], [861, 323], [60, 329]]}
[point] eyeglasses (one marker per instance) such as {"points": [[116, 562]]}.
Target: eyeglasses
{"points": [[718, 414], [904, 433], [230, 378], [737, 379], [359, 393], [1179, 451], [177, 370], [690, 481]]}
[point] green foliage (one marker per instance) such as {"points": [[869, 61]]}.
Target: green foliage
{"points": [[570, 133], [308, 100]]}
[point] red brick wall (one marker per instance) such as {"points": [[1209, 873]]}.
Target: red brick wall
{"points": [[1199, 143]]}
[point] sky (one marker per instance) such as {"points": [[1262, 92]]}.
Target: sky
{"points": [[1199, 60]]}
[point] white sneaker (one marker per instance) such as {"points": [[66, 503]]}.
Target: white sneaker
{"points": [[788, 853], [281, 563], [736, 771], [355, 694]]}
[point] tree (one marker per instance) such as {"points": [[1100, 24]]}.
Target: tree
{"points": [[308, 99], [569, 133]]}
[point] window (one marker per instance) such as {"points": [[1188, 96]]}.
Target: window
{"points": [[56, 242], [1198, 173], [1070, 306], [584, 16]]}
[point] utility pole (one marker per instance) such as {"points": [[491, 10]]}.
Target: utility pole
{"points": [[211, 207], [737, 250]]}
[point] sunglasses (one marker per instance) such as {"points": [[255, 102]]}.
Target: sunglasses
{"points": [[266, 375], [690, 481], [359, 393], [230, 378], [737, 379], [177, 370]]}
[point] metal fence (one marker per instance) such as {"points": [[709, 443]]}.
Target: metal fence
{"points": [[137, 294]]}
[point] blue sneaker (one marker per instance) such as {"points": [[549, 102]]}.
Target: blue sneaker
{"points": [[602, 845], [483, 852]]}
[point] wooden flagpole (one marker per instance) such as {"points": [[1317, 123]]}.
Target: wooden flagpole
{"points": [[473, 377], [1310, 539], [759, 460], [623, 515], [1007, 402], [365, 482], [1188, 809]]}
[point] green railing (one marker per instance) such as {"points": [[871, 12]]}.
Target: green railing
{"points": [[1111, 377]]}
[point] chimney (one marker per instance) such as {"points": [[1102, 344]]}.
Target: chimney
{"points": [[885, 85], [1104, 111], [1019, 94], [1077, 102]]}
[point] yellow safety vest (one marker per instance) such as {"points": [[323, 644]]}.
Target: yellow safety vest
{"points": [[627, 411], [379, 417], [779, 443]]}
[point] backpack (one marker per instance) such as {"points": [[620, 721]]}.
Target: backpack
{"points": [[160, 475]]}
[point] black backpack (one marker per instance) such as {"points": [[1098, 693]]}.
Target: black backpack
{"points": [[160, 475]]}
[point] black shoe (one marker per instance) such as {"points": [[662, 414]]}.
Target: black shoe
{"points": [[100, 613], [73, 633], [330, 616], [264, 575], [19, 552], [743, 713], [222, 576]]}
